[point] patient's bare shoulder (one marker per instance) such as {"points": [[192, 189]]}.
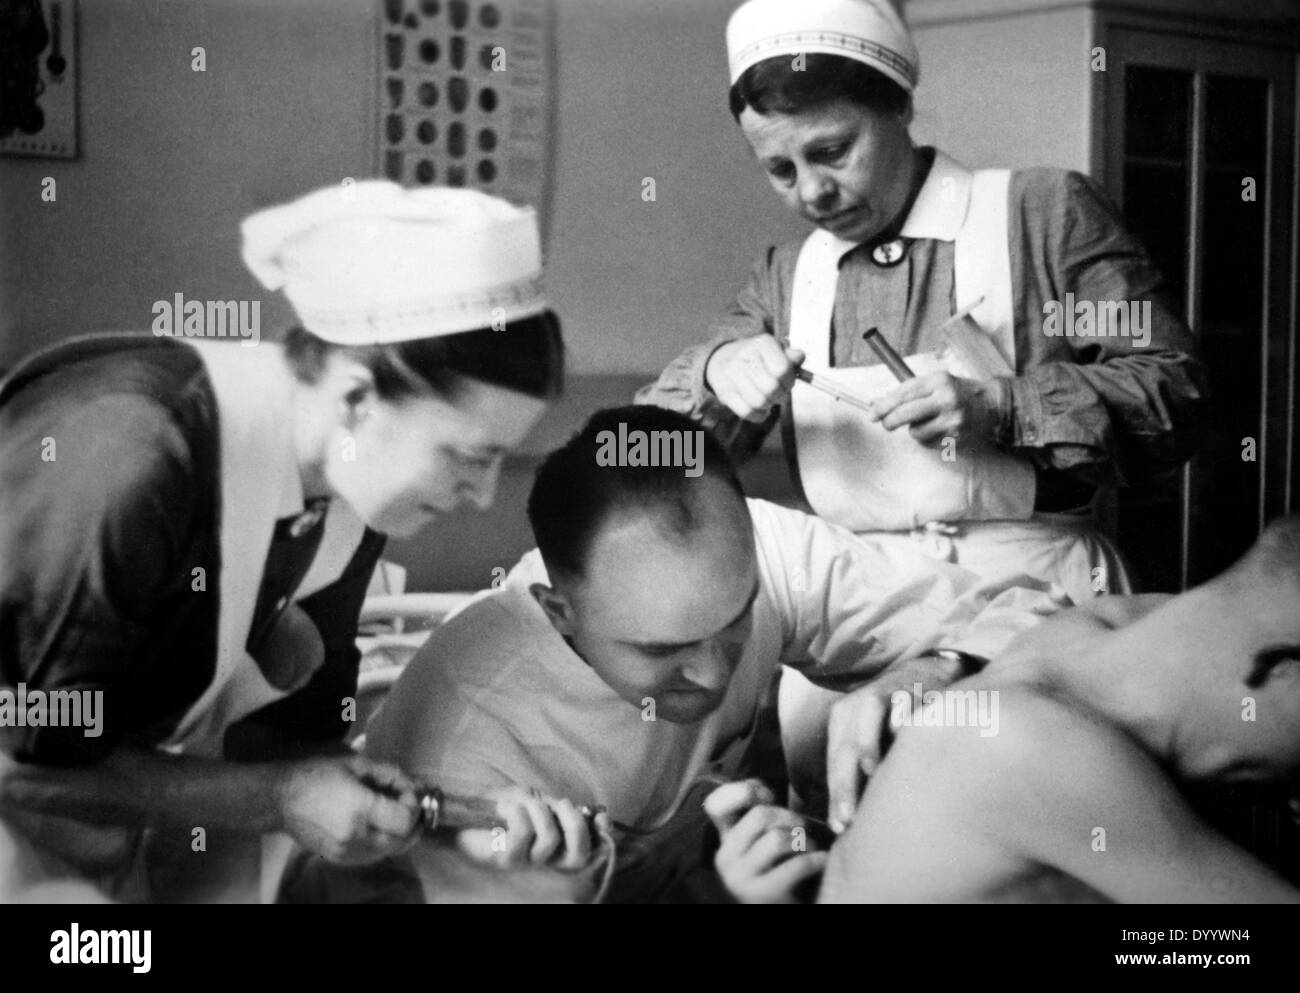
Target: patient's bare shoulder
{"points": [[1074, 631], [960, 812], [1035, 744]]}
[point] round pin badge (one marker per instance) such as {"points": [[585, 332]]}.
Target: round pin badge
{"points": [[889, 253], [308, 519]]}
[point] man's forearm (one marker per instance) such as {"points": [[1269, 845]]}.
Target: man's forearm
{"points": [[134, 787]]}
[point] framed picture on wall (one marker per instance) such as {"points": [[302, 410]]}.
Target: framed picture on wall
{"points": [[38, 78], [465, 95]]}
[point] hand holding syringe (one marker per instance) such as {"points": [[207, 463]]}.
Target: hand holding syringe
{"points": [[514, 828], [754, 374], [768, 854]]}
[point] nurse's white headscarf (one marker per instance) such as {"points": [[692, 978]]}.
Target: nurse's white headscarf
{"points": [[372, 263], [867, 31]]}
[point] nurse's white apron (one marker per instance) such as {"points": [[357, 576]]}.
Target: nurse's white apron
{"points": [[259, 485], [975, 509]]}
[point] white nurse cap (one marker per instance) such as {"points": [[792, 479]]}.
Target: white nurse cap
{"points": [[371, 263], [868, 31]]}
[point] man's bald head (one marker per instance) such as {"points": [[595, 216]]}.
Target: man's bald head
{"points": [[578, 492], [652, 567]]}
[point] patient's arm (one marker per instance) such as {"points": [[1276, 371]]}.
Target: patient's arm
{"points": [[955, 815], [1088, 777]]}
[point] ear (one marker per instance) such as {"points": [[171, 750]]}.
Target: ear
{"points": [[1280, 663], [352, 390], [555, 605], [908, 113]]}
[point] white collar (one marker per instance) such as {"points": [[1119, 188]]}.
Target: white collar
{"points": [[940, 207], [939, 210]]}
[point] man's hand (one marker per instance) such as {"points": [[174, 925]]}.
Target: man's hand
{"points": [[766, 851], [751, 375], [860, 726], [940, 405], [540, 831], [351, 810]]}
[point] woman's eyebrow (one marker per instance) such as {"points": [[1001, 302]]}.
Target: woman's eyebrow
{"points": [[821, 141]]}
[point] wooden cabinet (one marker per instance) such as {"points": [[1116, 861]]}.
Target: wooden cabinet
{"points": [[1196, 141]]}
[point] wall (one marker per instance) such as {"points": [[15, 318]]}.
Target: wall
{"points": [[643, 93], [1002, 85], [172, 159]]}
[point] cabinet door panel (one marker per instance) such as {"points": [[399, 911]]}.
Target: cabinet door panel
{"points": [[1199, 153]]}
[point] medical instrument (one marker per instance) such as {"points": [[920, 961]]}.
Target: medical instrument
{"points": [[843, 395], [821, 830], [443, 811], [892, 360]]}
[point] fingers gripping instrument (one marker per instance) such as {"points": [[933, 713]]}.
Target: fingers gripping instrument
{"points": [[443, 811], [821, 831], [459, 813], [892, 360]]}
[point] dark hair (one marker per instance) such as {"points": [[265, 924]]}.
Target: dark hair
{"points": [[526, 356], [776, 86], [573, 495]]}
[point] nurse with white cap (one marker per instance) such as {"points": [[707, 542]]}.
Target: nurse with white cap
{"points": [[992, 455], [198, 550]]}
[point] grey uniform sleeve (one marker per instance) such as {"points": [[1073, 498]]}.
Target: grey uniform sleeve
{"points": [[98, 545], [682, 387], [1117, 410]]}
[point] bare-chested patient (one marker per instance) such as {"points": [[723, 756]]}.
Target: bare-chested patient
{"points": [[1100, 712]]}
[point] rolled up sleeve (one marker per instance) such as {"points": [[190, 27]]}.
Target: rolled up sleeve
{"points": [[850, 607], [1105, 409], [682, 386]]}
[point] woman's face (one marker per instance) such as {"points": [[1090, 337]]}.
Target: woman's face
{"points": [[401, 464], [842, 166]]}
